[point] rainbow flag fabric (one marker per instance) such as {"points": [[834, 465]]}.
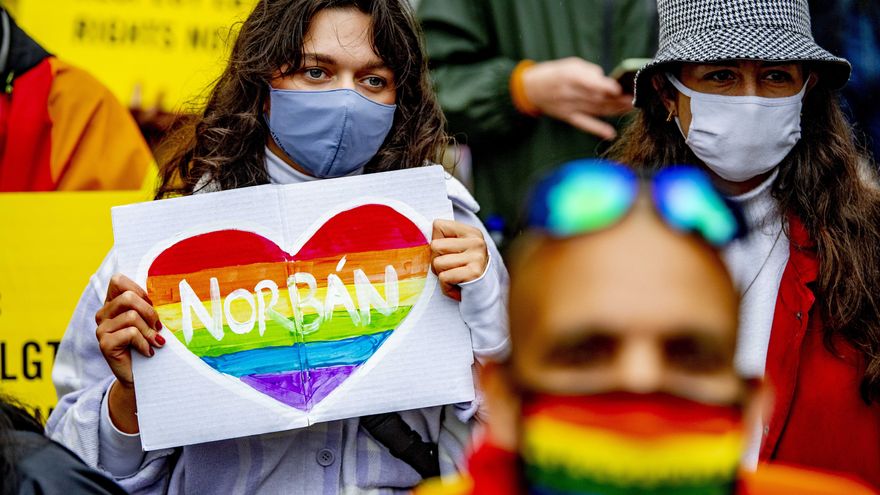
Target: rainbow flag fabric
{"points": [[616, 444], [293, 327]]}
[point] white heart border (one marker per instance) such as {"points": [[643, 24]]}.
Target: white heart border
{"points": [[241, 389]]}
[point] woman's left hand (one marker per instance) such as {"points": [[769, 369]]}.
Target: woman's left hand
{"points": [[459, 255]]}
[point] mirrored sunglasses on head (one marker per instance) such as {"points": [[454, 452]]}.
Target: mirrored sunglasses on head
{"points": [[589, 195]]}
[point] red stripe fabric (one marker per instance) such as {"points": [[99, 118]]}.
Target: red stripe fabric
{"points": [[362, 229], [648, 415]]}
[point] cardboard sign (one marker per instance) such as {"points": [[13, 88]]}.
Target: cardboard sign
{"points": [[284, 306], [170, 47], [51, 244]]}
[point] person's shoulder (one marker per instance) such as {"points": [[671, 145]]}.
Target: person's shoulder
{"points": [[68, 474], [26, 442], [777, 479], [69, 78]]}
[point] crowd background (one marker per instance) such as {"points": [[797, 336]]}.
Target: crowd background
{"points": [[849, 29], [483, 117]]}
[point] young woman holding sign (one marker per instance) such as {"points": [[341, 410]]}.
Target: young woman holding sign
{"points": [[296, 69]]}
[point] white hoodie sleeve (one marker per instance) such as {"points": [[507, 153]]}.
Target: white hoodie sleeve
{"points": [[483, 300], [81, 419]]}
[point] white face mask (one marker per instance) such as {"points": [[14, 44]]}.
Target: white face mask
{"points": [[741, 137]]}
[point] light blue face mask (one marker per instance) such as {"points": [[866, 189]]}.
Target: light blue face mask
{"points": [[328, 133]]}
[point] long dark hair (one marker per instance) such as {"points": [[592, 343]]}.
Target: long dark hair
{"points": [[226, 143], [825, 182]]}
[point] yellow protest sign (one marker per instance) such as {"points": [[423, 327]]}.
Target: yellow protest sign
{"points": [[51, 244], [171, 47]]}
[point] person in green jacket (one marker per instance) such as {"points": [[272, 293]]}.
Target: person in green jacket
{"points": [[524, 84]]}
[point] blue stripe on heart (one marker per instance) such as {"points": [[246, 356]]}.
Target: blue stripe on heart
{"points": [[352, 351]]}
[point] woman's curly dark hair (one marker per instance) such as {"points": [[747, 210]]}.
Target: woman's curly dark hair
{"points": [[226, 143]]}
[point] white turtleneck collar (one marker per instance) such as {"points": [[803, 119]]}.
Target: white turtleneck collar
{"points": [[281, 173], [756, 264], [278, 170], [758, 206]]}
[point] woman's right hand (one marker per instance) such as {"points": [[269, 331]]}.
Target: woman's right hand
{"points": [[127, 320]]}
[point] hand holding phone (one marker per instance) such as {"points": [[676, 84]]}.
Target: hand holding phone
{"points": [[577, 92]]}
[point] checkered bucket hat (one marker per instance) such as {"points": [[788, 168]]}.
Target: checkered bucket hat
{"points": [[714, 30]]}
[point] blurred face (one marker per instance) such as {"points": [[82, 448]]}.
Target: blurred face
{"points": [[338, 54], [635, 308]]}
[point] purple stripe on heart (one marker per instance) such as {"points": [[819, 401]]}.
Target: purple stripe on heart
{"points": [[288, 387]]}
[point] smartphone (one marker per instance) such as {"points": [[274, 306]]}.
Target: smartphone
{"points": [[625, 72]]}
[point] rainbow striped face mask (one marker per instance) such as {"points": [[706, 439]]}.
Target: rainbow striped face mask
{"points": [[623, 443], [589, 195]]}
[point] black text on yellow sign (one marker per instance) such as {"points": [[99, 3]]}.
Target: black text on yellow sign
{"points": [[51, 244], [29, 361], [173, 48]]}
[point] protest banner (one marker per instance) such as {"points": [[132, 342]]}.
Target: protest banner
{"points": [[173, 48], [285, 306], [51, 244]]}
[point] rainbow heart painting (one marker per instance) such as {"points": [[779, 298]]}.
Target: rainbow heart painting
{"points": [[284, 306], [292, 326]]}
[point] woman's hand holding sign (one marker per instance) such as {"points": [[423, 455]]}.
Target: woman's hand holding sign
{"points": [[459, 255], [127, 320]]}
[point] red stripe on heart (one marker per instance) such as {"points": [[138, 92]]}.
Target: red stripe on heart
{"points": [[365, 228], [225, 248]]}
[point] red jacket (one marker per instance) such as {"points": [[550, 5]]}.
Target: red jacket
{"points": [[819, 419], [61, 130], [494, 471]]}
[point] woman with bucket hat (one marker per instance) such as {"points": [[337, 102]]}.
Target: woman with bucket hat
{"points": [[740, 88]]}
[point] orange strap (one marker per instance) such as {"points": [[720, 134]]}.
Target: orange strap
{"points": [[518, 91]]}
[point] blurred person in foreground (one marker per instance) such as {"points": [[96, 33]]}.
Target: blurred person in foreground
{"points": [[524, 84], [741, 89], [61, 129], [30, 463], [623, 327]]}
